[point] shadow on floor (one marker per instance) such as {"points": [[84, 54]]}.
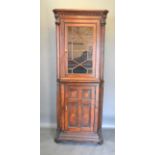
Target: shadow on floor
{"points": [[49, 147]]}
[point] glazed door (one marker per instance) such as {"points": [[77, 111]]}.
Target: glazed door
{"points": [[79, 108], [80, 45]]}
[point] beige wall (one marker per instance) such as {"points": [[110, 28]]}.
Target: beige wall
{"points": [[48, 57]]}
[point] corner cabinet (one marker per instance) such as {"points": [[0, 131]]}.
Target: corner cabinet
{"points": [[80, 48]]}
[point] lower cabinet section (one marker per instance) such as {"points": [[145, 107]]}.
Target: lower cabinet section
{"points": [[78, 110]]}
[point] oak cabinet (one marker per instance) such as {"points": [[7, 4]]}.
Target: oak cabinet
{"points": [[80, 47]]}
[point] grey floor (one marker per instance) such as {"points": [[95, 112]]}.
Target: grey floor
{"points": [[49, 147]]}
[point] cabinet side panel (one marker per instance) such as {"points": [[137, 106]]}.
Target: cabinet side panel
{"points": [[97, 106], [58, 50], [101, 105], [62, 108], [58, 107], [102, 38]]}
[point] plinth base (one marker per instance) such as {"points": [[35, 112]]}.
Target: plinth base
{"points": [[80, 137]]}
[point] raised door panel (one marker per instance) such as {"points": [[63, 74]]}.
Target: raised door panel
{"points": [[79, 108], [72, 114], [71, 109], [87, 108]]}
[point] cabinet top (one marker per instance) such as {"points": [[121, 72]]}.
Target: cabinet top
{"points": [[81, 12]]}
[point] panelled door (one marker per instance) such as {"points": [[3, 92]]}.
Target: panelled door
{"points": [[79, 108]]}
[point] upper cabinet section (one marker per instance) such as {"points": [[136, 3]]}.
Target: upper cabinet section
{"points": [[80, 35]]}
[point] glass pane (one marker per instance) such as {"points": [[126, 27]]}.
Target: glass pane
{"points": [[80, 49]]}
